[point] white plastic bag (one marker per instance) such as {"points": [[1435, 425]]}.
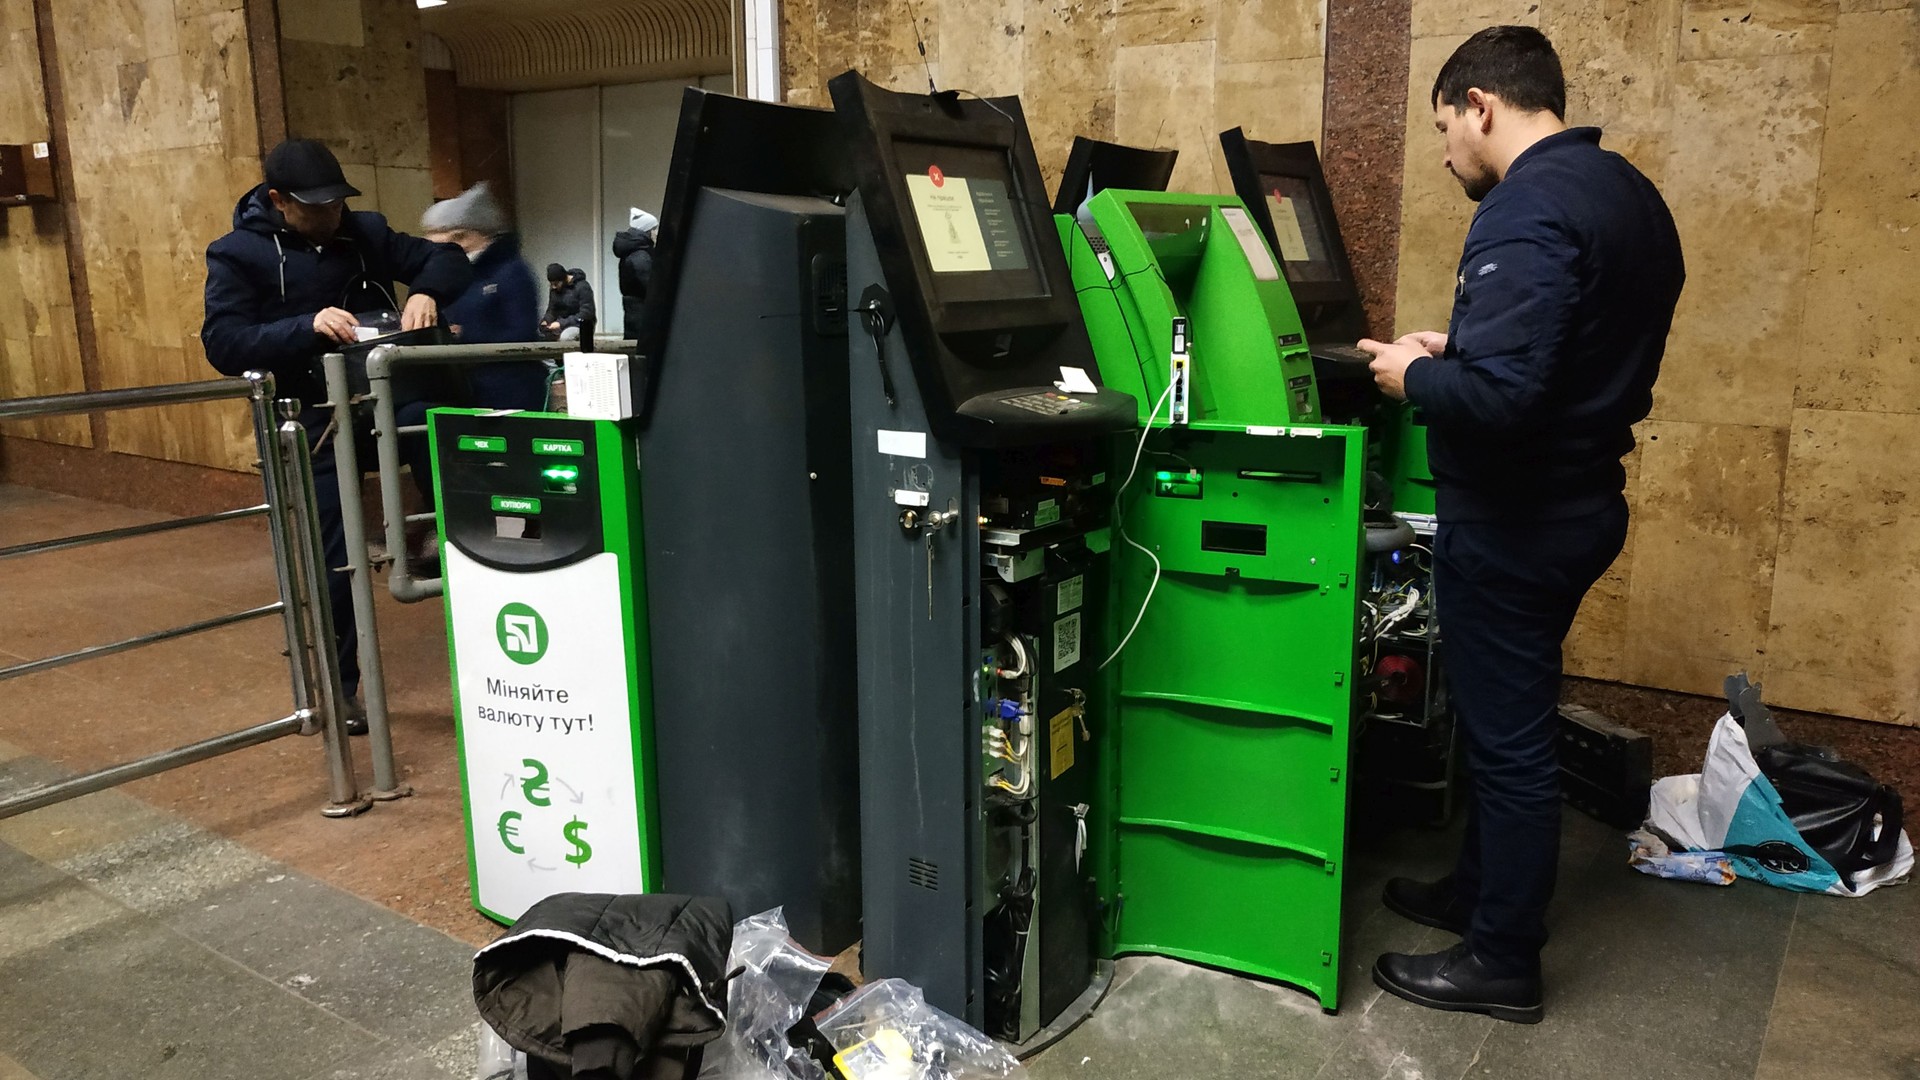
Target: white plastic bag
{"points": [[499, 1061], [777, 979], [887, 1031], [1731, 806]]}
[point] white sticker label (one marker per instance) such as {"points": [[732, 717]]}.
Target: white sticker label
{"points": [[1251, 243], [1072, 593], [949, 225], [903, 443], [1286, 227], [1075, 380], [546, 731], [1066, 642], [903, 497], [40, 150]]}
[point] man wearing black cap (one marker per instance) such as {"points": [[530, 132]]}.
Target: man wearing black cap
{"points": [[569, 306], [285, 287]]}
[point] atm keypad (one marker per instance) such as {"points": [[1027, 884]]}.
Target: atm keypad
{"points": [[1045, 404]]}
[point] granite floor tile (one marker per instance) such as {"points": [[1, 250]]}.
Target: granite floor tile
{"points": [[73, 828], [134, 999], [352, 957], [1848, 1004], [166, 868]]}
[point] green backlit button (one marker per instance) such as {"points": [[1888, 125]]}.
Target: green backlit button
{"points": [[486, 444], [512, 504], [560, 447]]}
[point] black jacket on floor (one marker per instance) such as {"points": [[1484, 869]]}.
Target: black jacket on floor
{"points": [[612, 986], [265, 283]]}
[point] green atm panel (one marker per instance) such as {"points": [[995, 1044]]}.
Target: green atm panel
{"points": [[1164, 256], [1222, 821], [1228, 782], [541, 554]]}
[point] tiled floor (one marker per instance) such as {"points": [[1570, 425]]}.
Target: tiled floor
{"points": [[210, 923]]}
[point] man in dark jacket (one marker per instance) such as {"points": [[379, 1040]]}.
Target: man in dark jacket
{"points": [[500, 306], [569, 305], [285, 287], [633, 246], [1561, 308]]}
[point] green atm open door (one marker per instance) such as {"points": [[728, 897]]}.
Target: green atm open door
{"points": [[541, 555], [1223, 828]]}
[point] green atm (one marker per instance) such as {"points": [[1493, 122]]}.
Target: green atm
{"points": [[1236, 591], [540, 552]]}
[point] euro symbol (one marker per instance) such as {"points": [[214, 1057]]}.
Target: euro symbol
{"points": [[509, 829], [535, 787]]}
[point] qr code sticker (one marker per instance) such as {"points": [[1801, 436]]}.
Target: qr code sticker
{"points": [[1066, 642]]}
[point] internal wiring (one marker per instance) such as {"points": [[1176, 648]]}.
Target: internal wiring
{"points": [[1119, 524]]}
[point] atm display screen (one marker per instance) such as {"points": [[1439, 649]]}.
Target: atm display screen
{"points": [[976, 235], [1297, 229]]}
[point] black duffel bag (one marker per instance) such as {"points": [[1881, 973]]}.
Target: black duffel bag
{"points": [[1843, 813]]}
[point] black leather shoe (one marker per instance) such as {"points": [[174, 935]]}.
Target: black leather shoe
{"points": [[1454, 981], [356, 718], [1429, 903]]}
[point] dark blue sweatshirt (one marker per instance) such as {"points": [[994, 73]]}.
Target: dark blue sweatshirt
{"points": [[500, 307], [265, 283], [1561, 307]]}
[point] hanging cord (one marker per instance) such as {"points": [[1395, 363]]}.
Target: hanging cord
{"points": [[1121, 526]]}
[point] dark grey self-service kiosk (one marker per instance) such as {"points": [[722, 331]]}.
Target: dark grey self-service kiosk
{"points": [[980, 524], [748, 492]]}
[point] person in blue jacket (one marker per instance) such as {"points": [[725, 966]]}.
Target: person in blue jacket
{"points": [[501, 306], [287, 285], [1562, 302]]}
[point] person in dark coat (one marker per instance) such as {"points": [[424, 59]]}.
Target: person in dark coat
{"points": [[500, 306], [1562, 301], [633, 246], [569, 304], [287, 285], [604, 986]]}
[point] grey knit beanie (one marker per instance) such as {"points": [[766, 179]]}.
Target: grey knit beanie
{"points": [[474, 208]]}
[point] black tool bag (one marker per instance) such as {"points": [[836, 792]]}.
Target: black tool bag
{"points": [[1847, 816]]}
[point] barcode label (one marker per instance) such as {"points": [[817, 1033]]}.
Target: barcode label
{"points": [[1066, 642], [1072, 593]]}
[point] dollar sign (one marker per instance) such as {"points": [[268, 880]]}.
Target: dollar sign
{"points": [[582, 851]]}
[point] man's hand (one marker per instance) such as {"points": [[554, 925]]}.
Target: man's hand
{"points": [[421, 312], [336, 323], [553, 326], [1390, 363], [1433, 342]]}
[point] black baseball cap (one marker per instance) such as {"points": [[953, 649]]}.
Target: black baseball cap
{"points": [[306, 170]]}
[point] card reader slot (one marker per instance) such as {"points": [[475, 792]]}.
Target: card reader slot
{"points": [[1282, 476], [1233, 538]]}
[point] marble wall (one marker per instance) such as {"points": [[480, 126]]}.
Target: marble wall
{"points": [[158, 111], [39, 347], [1777, 510], [1168, 73], [354, 79]]}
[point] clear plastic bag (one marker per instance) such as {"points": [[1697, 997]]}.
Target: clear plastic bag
{"points": [[497, 1060], [776, 982], [887, 1031]]}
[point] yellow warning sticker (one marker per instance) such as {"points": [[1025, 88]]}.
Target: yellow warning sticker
{"points": [[1060, 741]]}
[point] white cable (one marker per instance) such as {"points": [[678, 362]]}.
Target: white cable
{"points": [[1120, 526]]}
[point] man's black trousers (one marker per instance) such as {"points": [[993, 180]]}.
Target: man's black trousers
{"points": [[1507, 593]]}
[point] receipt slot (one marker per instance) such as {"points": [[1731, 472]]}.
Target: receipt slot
{"points": [[541, 555]]}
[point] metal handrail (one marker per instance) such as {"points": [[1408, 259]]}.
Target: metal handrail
{"points": [[301, 600], [401, 582], [64, 543], [137, 397]]}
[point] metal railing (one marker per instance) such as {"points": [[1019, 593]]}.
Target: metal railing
{"points": [[402, 581], [286, 474]]}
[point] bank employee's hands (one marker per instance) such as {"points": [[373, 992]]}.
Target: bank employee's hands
{"points": [[421, 312], [1390, 363], [337, 324], [1434, 342]]}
